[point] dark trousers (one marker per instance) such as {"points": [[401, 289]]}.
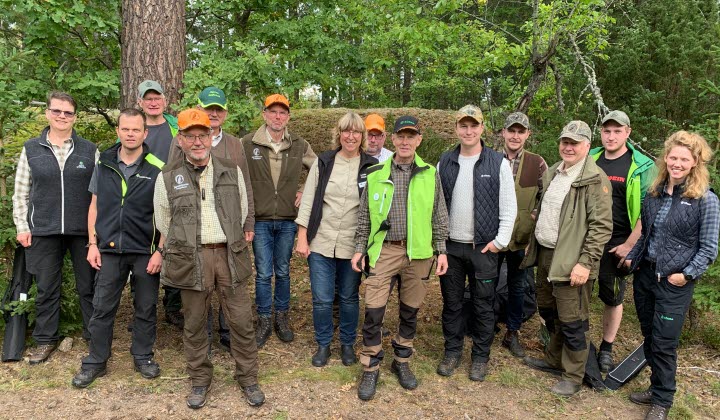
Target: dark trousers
{"points": [[109, 285], [172, 301], [45, 261], [480, 270], [516, 287], [223, 328], [661, 309]]}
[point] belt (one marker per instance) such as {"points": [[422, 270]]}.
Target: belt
{"points": [[399, 243], [214, 246]]}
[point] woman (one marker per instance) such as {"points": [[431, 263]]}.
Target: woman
{"points": [[327, 220], [679, 241]]}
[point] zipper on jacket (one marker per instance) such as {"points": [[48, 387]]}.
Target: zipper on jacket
{"points": [[123, 190], [62, 181]]}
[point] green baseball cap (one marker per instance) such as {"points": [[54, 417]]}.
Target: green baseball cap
{"points": [[617, 116], [577, 130], [212, 96], [147, 85]]}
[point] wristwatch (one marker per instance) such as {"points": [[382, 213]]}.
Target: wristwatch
{"points": [[688, 277], [161, 250]]}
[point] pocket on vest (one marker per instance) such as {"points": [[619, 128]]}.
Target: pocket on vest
{"points": [[241, 257], [179, 266]]}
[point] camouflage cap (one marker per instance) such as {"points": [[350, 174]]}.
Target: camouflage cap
{"points": [[577, 130], [469, 111], [617, 116], [517, 118]]}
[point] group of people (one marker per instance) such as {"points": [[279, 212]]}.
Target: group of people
{"points": [[178, 202]]}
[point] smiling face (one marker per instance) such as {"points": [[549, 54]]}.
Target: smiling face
{"points": [[61, 122], [679, 162], [131, 131], [572, 151], [614, 137], [406, 142], [515, 137], [152, 104], [196, 143], [469, 131], [350, 140]]}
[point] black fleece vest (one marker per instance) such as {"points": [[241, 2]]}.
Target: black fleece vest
{"points": [[486, 186], [59, 200]]}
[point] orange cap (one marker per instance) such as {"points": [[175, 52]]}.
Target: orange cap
{"points": [[374, 122], [277, 98], [193, 117]]}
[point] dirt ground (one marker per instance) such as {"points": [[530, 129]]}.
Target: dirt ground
{"points": [[295, 389]]}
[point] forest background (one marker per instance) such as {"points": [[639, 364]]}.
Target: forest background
{"points": [[658, 60]]}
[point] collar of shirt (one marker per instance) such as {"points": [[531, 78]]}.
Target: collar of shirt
{"points": [[517, 157], [403, 166], [119, 160], [216, 139], [47, 140], [574, 170], [270, 139]]}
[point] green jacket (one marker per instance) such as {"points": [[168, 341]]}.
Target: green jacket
{"points": [[585, 223], [420, 203], [641, 174]]}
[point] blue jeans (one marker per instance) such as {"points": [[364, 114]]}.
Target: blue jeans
{"points": [[516, 287], [272, 246], [327, 274]]}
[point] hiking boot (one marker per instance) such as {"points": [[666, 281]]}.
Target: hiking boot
{"points": [[176, 319], [263, 331], [448, 365], [606, 362], [253, 395], [198, 396], [368, 383], [405, 376], [511, 341], [41, 353], [657, 412], [321, 356], [478, 370], [641, 397], [282, 327], [347, 355], [148, 369], [541, 364], [86, 376], [565, 388]]}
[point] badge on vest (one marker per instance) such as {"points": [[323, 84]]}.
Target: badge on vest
{"points": [[256, 154], [81, 165], [376, 197], [180, 182], [362, 184], [685, 202]]}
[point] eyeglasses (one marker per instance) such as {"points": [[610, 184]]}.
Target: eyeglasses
{"points": [[201, 137], [351, 132], [153, 99], [375, 136], [58, 112]]}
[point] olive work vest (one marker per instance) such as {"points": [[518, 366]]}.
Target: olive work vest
{"points": [[526, 190]]}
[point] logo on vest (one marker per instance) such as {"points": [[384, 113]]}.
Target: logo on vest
{"points": [[180, 182], [81, 165], [376, 197], [485, 176], [686, 203], [256, 154], [362, 184]]}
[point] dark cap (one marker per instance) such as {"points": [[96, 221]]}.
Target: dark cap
{"points": [[517, 118], [212, 96], [617, 116], [406, 122]]}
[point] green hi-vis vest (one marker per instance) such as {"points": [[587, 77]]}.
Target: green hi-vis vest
{"points": [[421, 197]]}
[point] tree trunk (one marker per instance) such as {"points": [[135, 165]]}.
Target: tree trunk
{"points": [[153, 47]]}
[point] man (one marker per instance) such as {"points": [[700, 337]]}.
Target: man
{"points": [[478, 187], [277, 159], [574, 223], [53, 173], [375, 127], [528, 170], [162, 127], [213, 102], [402, 225], [630, 173], [122, 238], [201, 206]]}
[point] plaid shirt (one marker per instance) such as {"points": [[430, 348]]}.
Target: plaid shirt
{"points": [[397, 216], [23, 181]]}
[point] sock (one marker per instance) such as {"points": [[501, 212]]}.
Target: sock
{"points": [[605, 346]]}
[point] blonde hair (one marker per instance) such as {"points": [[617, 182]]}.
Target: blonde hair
{"points": [[349, 121], [698, 180]]}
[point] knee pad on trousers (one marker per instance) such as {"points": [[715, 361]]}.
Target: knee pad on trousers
{"points": [[377, 359], [401, 351], [574, 334], [408, 321], [372, 335]]}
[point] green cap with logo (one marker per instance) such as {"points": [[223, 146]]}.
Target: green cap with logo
{"points": [[577, 130], [212, 96], [517, 118], [147, 85], [469, 111], [617, 116]]}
